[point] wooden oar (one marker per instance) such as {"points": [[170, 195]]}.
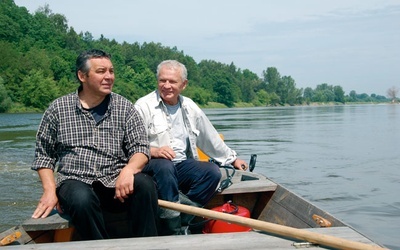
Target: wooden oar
{"points": [[285, 231]]}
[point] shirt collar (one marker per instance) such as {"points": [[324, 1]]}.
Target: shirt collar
{"points": [[79, 105]]}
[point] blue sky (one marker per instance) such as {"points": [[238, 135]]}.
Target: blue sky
{"points": [[351, 43]]}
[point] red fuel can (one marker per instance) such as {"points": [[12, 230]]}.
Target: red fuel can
{"points": [[218, 226]]}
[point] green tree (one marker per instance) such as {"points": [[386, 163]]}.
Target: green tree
{"points": [[197, 94], [364, 97], [37, 90], [60, 68], [225, 94], [134, 85], [138, 64], [248, 83], [65, 86], [146, 82], [324, 93], [208, 69], [126, 89], [220, 78], [353, 96], [73, 41], [10, 65], [5, 100], [14, 21], [339, 94], [287, 91], [308, 94], [271, 80], [263, 98], [274, 99], [38, 59]]}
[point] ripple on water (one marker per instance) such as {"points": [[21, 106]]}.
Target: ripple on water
{"points": [[383, 220]]}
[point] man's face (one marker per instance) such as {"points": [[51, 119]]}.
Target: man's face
{"points": [[100, 79], [170, 84]]}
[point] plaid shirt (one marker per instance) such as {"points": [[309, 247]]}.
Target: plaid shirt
{"points": [[85, 150]]}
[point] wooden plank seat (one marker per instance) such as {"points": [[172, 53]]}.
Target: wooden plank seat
{"points": [[52, 222], [60, 223]]}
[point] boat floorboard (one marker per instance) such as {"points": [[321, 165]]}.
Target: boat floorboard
{"points": [[247, 240]]}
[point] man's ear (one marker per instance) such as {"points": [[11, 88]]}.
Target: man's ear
{"points": [[184, 84], [81, 76]]}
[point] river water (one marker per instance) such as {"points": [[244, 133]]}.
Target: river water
{"points": [[344, 159]]}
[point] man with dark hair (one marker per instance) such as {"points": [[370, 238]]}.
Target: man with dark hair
{"points": [[100, 144]]}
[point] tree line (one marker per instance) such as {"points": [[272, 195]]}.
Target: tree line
{"points": [[38, 58]]}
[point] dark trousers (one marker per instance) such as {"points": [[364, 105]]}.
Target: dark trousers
{"points": [[86, 203], [196, 179]]}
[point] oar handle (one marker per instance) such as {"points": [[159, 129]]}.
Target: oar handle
{"points": [[285, 231]]}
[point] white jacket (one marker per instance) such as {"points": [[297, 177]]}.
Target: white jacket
{"points": [[202, 133]]}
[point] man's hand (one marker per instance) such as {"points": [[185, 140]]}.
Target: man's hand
{"points": [[240, 164], [47, 203], [163, 152], [49, 199], [124, 184]]}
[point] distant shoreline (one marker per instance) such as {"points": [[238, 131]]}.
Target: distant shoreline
{"points": [[211, 105]]}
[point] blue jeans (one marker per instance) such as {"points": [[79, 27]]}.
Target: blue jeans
{"points": [[85, 203], [196, 179]]}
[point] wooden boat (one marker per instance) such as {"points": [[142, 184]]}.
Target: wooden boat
{"points": [[291, 222]]}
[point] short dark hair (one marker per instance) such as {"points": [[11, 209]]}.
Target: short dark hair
{"points": [[84, 57]]}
